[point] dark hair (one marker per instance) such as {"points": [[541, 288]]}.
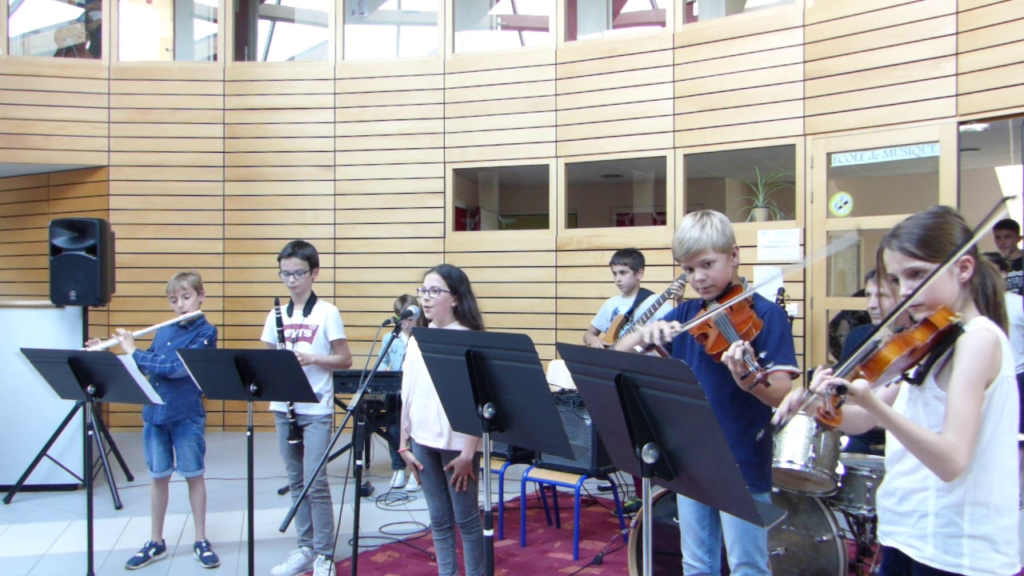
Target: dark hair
{"points": [[403, 302], [628, 257], [467, 312], [871, 276], [303, 251], [931, 236], [999, 260], [1008, 224]]}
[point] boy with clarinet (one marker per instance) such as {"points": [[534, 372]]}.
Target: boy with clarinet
{"points": [[313, 330]]}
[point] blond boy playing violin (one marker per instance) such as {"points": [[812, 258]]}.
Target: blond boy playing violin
{"points": [[705, 248]]}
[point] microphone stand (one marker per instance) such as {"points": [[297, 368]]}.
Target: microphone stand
{"points": [[358, 434]]}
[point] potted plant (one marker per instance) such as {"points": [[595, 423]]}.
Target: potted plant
{"points": [[762, 207]]}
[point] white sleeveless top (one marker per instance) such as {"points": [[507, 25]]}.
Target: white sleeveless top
{"points": [[968, 526]]}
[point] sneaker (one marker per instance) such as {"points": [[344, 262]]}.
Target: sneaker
{"points": [[398, 480], [151, 552], [412, 485], [323, 566], [298, 562], [205, 554]]}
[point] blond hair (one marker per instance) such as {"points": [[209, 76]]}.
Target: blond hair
{"points": [[701, 231], [188, 279]]}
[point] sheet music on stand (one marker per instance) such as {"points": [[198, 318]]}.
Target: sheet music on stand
{"points": [[140, 378]]}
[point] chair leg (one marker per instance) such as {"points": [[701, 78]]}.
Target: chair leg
{"points": [[522, 509], [558, 513], [501, 501], [576, 521], [618, 510], [544, 500]]}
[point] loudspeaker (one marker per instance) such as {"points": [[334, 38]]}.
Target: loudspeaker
{"points": [[81, 262], [591, 457]]}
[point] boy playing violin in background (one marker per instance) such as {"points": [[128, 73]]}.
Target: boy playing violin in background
{"points": [[705, 248]]}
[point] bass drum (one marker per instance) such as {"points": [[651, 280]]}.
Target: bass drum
{"points": [[805, 543]]}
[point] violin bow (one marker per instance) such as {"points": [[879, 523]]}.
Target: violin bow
{"points": [[870, 344]]}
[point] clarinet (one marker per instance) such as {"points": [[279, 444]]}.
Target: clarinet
{"points": [[294, 430]]}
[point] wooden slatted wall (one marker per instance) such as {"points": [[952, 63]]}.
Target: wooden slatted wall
{"points": [[216, 167]]}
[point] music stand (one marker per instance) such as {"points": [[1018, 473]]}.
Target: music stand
{"points": [[248, 375], [646, 410], [492, 384], [87, 377]]}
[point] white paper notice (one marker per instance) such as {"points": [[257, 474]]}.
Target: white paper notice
{"points": [[778, 245], [140, 379], [771, 276]]}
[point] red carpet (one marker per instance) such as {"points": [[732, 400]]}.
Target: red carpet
{"points": [[548, 550]]}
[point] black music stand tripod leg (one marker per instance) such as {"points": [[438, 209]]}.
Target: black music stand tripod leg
{"points": [[647, 448], [96, 425], [490, 421], [44, 454], [113, 447]]}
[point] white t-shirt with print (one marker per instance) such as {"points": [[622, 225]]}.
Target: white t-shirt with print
{"points": [[311, 335], [617, 305]]}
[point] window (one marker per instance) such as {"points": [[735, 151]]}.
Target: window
{"points": [[392, 29], [755, 184], [482, 25], [990, 167], [282, 30], [165, 30], [598, 18], [701, 10], [616, 193], [501, 198], [54, 28]]}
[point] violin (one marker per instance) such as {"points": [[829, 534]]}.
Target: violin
{"points": [[888, 362], [717, 333], [883, 362]]}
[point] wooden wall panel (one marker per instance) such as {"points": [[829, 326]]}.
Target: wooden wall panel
{"points": [[739, 84], [216, 167], [885, 66], [990, 57], [53, 112]]}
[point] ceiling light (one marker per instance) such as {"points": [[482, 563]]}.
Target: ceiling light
{"points": [[974, 127]]}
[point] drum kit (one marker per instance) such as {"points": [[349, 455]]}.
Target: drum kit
{"points": [[814, 482]]}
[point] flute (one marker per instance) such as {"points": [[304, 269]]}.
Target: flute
{"points": [[114, 341]]}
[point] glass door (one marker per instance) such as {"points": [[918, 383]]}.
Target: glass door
{"points": [[865, 184]]}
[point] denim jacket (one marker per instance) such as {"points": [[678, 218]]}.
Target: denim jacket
{"points": [[396, 354], [182, 398]]}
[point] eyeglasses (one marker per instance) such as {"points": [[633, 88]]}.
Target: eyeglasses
{"points": [[298, 275], [434, 291]]}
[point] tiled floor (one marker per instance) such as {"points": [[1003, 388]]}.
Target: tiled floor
{"points": [[43, 533]]}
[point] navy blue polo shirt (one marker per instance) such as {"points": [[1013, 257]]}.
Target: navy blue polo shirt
{"points": [[182, 398], [740, 414]]}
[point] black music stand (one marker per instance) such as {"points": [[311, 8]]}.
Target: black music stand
{"points": [[248, 375], [88, 378], [492, 384], [646, 410], [347, 382]]}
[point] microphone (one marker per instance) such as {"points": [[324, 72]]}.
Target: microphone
{"points": [[410, 312]]}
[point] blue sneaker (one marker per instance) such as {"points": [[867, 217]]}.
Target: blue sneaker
{"points": [[151, 552], [205, 554]]}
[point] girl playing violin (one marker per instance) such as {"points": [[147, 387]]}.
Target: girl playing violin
{"points": [[946, 505]]}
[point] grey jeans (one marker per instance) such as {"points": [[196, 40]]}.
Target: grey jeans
{"points": [[445, 503], [314, 520]]}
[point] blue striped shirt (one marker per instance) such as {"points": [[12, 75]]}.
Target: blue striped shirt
{"points": [[182, 398]]}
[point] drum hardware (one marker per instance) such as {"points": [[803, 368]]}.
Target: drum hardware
{"points": [[805, 457]]}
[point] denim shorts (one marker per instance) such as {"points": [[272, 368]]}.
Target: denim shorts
{"points": [[174, 446]]}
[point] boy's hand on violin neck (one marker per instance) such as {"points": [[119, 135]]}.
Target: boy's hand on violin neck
{"points": [[733, 359]]}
